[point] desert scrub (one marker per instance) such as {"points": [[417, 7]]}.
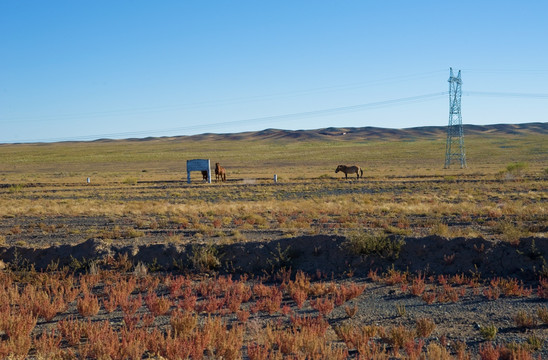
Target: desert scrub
{"points": [[237, 236], [119, 233], [509, 232], [130, 181], [488, 332], [515, 170], [425, 327], [440, 229], [524, 320], [542, 313], [205, 258], [255, 220], [281, 259], [16, 188], [132, 233], [374, 244]]}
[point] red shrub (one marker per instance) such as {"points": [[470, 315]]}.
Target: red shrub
{"points": [[393, 277], [188, 301], [351, 310], [47, 306], [110, 304], [242, 316], [130, 305], [352, 291], [429, 297], [414, 349], [257, 352], [17, 323], [488, 352], [270, 304], [261, 290], [103, 342], [324, 305], [132, 343], [88, 305], [316, 325], [373, 276], [71, 329], [542, 289], [176, 284], [459, 279], [149, 283], [157, 305], [299, 296], [47, 345], [418, 285], [492, 292]]}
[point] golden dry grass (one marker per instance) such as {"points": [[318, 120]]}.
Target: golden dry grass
{"points": [[405, 189]]}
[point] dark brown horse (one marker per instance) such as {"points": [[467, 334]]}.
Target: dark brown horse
{"points": [[220, 172], [204, 175], [354, 169]]}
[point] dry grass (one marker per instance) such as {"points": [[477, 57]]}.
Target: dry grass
{"points": [[487, 208], [404, 185], [252, 158]]}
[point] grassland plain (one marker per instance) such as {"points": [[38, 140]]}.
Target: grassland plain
{"points": [[461, 252]]}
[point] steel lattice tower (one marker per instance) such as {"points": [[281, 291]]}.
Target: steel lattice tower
{"points": [[454, 148]]}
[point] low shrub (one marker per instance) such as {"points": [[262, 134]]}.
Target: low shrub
{"points": [[488, 332], [205, 258], [425, 327], [374, 244], [542, 313], [524, 320]]}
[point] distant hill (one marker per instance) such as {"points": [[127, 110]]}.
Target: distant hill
{"points": [[375, 133], [359, 133]]}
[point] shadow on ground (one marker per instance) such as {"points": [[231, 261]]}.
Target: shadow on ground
{"points": [[327, 254]]}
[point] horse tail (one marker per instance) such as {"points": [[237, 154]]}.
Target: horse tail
{"points": [[361, 172]]}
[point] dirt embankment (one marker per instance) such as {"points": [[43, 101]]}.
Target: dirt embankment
{"points": [[326, 253]]}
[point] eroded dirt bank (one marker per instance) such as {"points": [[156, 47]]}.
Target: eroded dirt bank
{"points": [[330, 254]]}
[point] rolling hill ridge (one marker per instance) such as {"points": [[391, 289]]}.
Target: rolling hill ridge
{"points": [[372, 133]]}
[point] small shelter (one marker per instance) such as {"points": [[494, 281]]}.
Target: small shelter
{"points": [[198, 165]]}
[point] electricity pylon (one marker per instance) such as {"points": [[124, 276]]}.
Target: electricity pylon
{"points": [[454, 148]]}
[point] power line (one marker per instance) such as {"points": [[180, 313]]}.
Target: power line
{"points": [[504, 94], [498, 71], [291, 116], [222, 102], [231, 101]]}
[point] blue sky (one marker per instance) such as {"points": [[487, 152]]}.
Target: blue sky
{"points": [[82, 70]]}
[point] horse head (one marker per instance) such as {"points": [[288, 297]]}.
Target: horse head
{"points": [[339, 168]]}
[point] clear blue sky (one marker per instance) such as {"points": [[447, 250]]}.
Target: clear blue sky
{"points": [[82, 70]]}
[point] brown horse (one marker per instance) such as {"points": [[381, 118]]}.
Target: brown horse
{"points": [[354, 169], [220, 172], [204, 175]]}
